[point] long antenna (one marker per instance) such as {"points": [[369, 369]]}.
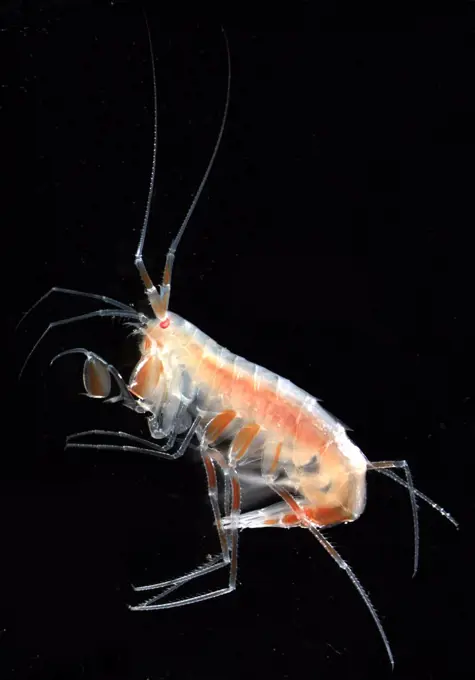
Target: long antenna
{"points": [[143, 233], [192, 207], [159, 301]]}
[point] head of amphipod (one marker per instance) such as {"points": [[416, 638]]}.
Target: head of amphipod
{"points": [[147, 376]]}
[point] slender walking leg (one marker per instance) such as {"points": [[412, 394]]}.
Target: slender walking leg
{"points": [[314, 529], [229, 551], [149, 447]]}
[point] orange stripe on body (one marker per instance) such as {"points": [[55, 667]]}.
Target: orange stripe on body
{"points": [[320, 516], [275, 460], [243, 440], [218, 424], [270, 409], [236, 494], [240, 393], [211, 471], [325, 516]]}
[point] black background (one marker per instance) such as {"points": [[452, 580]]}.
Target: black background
{"points": [[332, 245]]}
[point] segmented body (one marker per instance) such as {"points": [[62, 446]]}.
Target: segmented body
{"points": [[183, 373]]}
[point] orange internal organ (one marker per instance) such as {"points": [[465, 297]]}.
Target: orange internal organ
{"points": [[218, 424], [243, 440], [145, 377], [320, 516], [275, 460], [269, 408]]}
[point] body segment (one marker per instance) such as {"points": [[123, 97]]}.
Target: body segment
{"points": [[292, 433]]}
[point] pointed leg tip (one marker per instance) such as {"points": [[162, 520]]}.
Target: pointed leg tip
{"points": [[138, 589], [391, 659], [137, 607]]}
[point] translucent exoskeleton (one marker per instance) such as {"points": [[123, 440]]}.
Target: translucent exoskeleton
{"points": [[253, 426]]}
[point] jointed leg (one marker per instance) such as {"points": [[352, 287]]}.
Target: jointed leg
{"points": [[81, 317], [149, 447], [239, 447], [308, 524], [383, 465], [229, 550], [353, 578], [418, 493], [69, 291], [96, 362]]}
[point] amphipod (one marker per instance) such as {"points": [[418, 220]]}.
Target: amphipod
{"points": [[249, 423]]}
